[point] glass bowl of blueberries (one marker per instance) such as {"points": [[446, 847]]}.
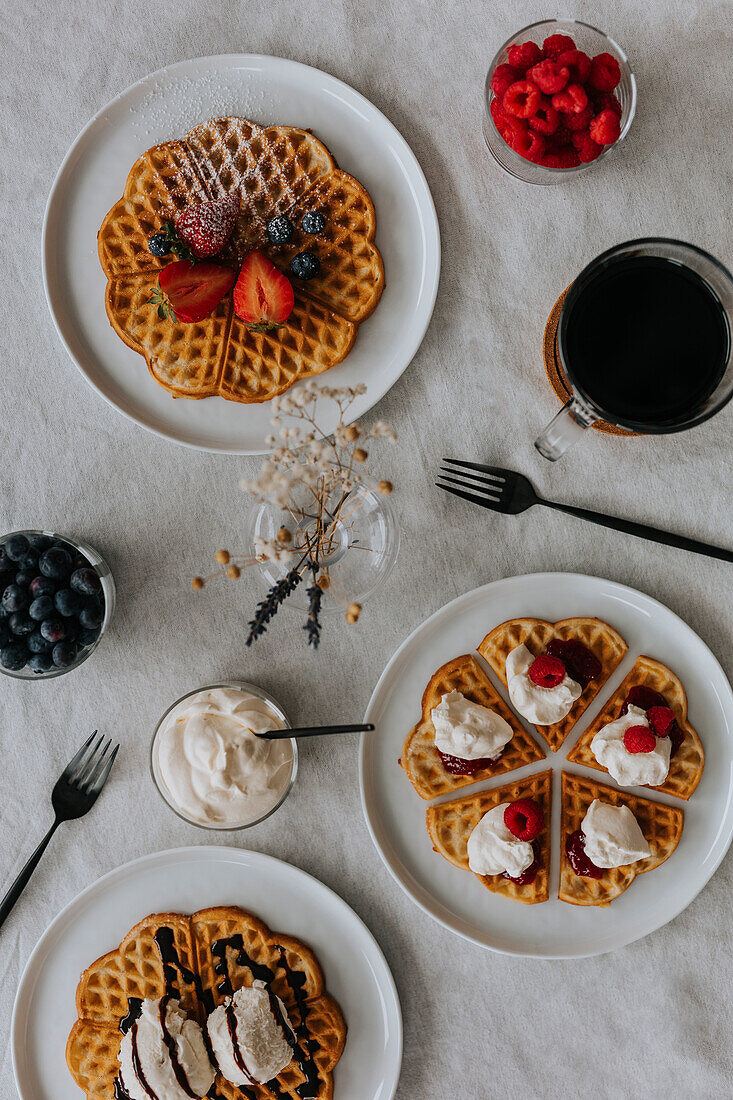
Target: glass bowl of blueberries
{"points": [[57, 596]]}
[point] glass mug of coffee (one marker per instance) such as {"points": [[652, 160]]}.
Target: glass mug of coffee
{"points": [[644, 342]]}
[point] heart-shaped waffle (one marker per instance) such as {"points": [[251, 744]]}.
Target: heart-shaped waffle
{"points": [[420, 758], [275, 170], [200, 960], [687, 763], [600, 638], [451, 823], [660, 824]]}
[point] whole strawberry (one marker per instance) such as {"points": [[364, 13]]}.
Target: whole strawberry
{"points": [[207, 226]]}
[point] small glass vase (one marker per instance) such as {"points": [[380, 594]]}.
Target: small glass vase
{"points": [[358, 546]]}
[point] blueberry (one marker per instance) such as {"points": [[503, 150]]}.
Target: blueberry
{"points": [[159, 244], [279, 229], [41, 662], [15, 598], [305, 265], [67, 602], [313, 222], [37, 643], [16, 547], [53, 630], [55, 562], [86, 582], [91, 615], [14, 656], [41, 586], [41, 608], [23, 578], [5, 562], [64, 654], [40, 542], [5, 635], [88, 635], [21, 624]]}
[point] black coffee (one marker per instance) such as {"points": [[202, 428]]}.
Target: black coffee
{"points": [[647, 340]]}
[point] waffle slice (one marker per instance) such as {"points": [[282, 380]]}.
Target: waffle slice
{"points": [[162, 182], [605, 642], [271, 167], [451, 823], [687, 763], [660, 824], [421, 759]]}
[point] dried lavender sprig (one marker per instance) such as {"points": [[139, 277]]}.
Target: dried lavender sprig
{"points": [[313, 623], [268, 608]]}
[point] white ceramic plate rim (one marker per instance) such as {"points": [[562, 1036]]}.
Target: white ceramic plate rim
{"points": [[385, 980], [417, 893], [430, 274]]}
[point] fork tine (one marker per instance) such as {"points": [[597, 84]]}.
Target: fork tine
{"points": [[494, 471], [490, 492], [89, 765], [99, 781], [485, 502], [76, 760], [480, 479], [93, 773]]}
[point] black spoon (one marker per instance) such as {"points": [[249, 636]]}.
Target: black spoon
{"points": [[313, 731]]}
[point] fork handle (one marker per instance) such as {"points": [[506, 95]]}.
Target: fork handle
{"points": [[22, 880], [642, 530]]}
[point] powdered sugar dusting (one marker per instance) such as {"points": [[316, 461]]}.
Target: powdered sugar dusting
{"points": [[172, 103]]}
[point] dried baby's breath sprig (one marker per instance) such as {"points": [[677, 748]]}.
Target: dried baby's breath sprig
{"points": [[311, 477]]}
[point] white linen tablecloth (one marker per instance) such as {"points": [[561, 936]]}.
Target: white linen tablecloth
{"points": [[647, 1021]]}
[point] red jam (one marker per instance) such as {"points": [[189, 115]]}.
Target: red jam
{"points": [[456, 765], [575, 851], [645, 698], [581, 664], [530, 874]]}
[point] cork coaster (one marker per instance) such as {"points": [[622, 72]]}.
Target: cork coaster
{"points": [[554, 374]]}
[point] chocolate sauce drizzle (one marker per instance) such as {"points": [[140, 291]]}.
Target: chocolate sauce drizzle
{"points": [[170, 1042], [173, 968], [134, 1009], [138, 1068], [306, 1046], [121, 1092]]}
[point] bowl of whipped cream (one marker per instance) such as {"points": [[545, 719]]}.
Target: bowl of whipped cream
{"points": [[210, 766]]}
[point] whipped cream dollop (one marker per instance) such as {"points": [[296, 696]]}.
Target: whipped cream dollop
{"points": [[612, 835], [494, 850], [539, 705], [211, 764], [468, 730], [251, 1036], [162, 1051], [631, 769]]}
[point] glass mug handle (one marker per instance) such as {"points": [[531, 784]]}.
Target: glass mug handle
{"points": [[564, 429]]}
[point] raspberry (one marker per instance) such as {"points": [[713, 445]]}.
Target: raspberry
{"points": [[587, 148], [605, 128], [503, 76], [580, 121], [604, 72], [545, 120], [557, 44], [524, 56], [559, 140], [561, 158], [524, 819], [643, 697], [549, 76], [546, 671], [661, 720], [507, 125], [578, 63], [529, 144], [606, 101], [521, 99], [639, 739], [572, 100], [581, 663]]}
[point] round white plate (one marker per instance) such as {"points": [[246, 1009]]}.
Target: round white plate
{"points": [[395, 814], [164, 105], [184, 880]]}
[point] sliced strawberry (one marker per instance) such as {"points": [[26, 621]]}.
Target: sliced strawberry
{"points": [[263, 296], [189, 292], [207, 226]]}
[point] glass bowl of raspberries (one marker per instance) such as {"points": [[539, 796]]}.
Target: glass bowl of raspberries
{"points": [[560, 96], [57, 596]]}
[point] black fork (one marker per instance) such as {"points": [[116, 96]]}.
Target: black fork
{"points": [[511, 493], [76, 791]]}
